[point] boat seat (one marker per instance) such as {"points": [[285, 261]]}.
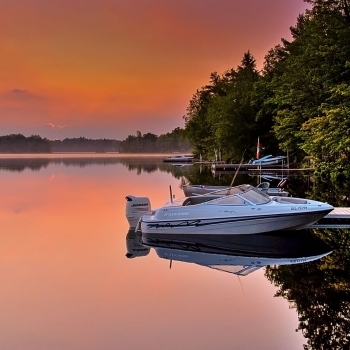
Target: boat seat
{"points": [[286, 200], [264, 185]]}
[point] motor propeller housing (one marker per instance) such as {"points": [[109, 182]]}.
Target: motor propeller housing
{"points": [[135, 208]]}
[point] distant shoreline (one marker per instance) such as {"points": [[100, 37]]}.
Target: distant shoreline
{"points": [[82, 155]]}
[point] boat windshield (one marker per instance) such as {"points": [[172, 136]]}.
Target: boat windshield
{"points": [[228, 200], [232, 190], [256, 197]]}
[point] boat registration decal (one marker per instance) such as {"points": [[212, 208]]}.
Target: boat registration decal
{"points": [[299, 260], [172, 255], [298, 208], [177, 214]]}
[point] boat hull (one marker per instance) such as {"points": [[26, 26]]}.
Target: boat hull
{"points": [[233, 225]]}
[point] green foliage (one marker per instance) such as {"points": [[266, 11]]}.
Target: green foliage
{"points": [[335, 172], [197, 123], [298, 103], [17, 143], [336, 8], [222, 115], [306, 85], [329, 134], [174, 141]]}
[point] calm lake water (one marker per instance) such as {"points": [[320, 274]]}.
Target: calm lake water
{"points": [[66, 282]]}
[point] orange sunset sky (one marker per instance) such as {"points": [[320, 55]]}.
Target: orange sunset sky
{"points": [[106, 68]]}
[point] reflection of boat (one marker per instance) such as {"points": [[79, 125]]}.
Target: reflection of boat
{"points": [[238, 210], [184, 158], [241, 254], [268, 160], [180, 165], [192, 190], [134, 247]]}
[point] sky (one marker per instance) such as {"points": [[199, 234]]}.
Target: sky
{"points": [[108, 68]]}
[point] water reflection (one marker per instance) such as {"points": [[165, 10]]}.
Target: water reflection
{"points": [[134, 246], [238, 254], [139, 164], [64, 268], [320, 293]]}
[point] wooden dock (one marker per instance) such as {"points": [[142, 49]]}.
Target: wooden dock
{"points": [[339, 217], [234, 167], [227, 168]]}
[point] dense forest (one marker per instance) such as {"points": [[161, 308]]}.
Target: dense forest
{"points": [[298, 103], [174, 141], [21, 144], [18, 143], [82, 144]]}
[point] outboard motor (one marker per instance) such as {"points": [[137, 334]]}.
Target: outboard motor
{"points": [[135, 208]]}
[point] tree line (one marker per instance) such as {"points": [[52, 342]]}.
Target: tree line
{"points": [[18, 143], [83, 144], [299, 102], [174, 141]]}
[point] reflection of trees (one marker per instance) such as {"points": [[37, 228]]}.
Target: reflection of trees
{"points": [[151, 165], [142, 168], [299, 185], [138, 164], [320, 291], [19, 165], [203, 175]]}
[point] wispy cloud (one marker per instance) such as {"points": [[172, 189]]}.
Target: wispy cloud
{"points": [[54, 126], [19, 94], [19, 91]]}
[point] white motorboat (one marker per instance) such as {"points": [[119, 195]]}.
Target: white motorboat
{"points": [[244, 253], [238, 210], [184, 158], [269, 160], [192, 190]]}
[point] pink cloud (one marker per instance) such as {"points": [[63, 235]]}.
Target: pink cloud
{"points": [[53, 126]]}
